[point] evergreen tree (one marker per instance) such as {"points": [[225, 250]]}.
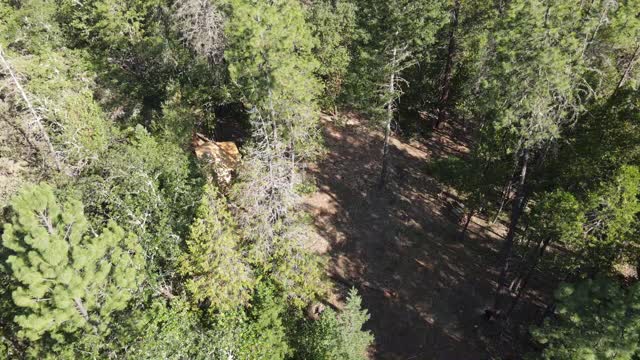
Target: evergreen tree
{"points": [[65, 279], [172, 331], [535, 90], [269, 52], [596, 319], [148, 187], [337, 336], [215, 269], [334, 28], [611, 221], [265, 336]]}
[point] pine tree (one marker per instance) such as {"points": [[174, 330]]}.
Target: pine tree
{"points": [[269, 53], [536, 88], [337, 336], [265, 335], [397, 38], [66, 280], [611, 221], [216, 272], [334, 28], [596, 319]]}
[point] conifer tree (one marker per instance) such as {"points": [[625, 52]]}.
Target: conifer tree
{"points": [[334, 28], [535, 89], [597, 319], [216, 272], [337, 336], [265, 336], [66, 280], [269, 53], [399, 32], [611, 226]]}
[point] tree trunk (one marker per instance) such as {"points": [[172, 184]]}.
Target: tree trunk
{"points": [[503, 201], [520, 289], [387, 129], [507, 248], [147, 111], [445, 88], [466, 223], [528, 259]]}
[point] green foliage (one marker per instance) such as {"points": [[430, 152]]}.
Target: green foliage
{"points": [[62, 89], [534, 85], [270, 57], [604, 146], [29, 27], [66, 280], [382, 27], [596, 319], [173, 331], [146, 187], [611, 219], [215, 269], [265, 337], [544, 86], [558, 216], [133, 49], [337, 336], [334, 27]]}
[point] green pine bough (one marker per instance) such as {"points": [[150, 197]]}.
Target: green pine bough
{"points": [[65, 278]]}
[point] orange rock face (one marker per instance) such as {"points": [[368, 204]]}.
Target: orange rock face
{"points": [[224, 156]]}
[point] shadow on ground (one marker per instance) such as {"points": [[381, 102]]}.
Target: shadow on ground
{"points": [[426, 289]]}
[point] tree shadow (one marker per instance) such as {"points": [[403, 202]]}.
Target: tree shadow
{"points": [[426, 289]]}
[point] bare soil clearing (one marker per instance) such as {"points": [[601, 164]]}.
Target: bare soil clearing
{"points": [[426, 289]]}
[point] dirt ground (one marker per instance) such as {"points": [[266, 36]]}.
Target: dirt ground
{"points": [[425, 288]]}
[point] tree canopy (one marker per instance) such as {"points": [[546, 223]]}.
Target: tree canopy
{"points": [[516, 123]]}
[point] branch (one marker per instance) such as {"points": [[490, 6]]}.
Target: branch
{"points": [[37, 119]]}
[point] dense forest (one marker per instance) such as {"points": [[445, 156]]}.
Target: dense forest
{"points": [[169, 171]]}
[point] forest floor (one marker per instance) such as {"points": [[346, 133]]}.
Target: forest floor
{"points": [[425, 288]]}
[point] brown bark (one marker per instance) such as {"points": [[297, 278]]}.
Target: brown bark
{"points": [[503, 200], [466, 223], [445, 88], [507, 248], [522, 286]]}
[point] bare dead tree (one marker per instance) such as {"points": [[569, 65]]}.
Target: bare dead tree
{"points": [[200, 24], [391, 92]]}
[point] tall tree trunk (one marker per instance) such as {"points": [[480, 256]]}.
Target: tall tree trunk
{"points": [[147, 111], [387, 129], [528, 259], [522, 286], [503, 200], [507, 248], [469, 216], [445, 88]]}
